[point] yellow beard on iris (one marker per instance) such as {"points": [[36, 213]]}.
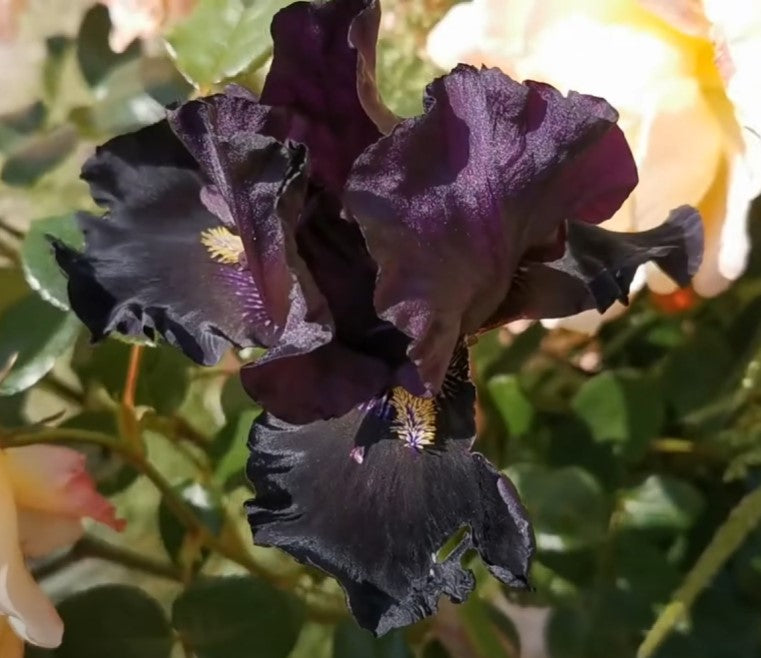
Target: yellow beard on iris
{"points": [[222, 245], [415, 421]]}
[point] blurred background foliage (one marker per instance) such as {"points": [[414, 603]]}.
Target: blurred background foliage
{"points": [[637, 451]]}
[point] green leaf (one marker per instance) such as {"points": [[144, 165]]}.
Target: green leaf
{"points": [[512, 404], [38, 334], [315, 641], [486, 637], [25, 121], [207, 507], [435, 649], [660, 502], [222, 38], [351, 641], [96, 59], [115, 621], [229, 449], [694, 372], [567, 505], [38, 155], [237, 618], [131, 96], [40, 269], [622, 408]]}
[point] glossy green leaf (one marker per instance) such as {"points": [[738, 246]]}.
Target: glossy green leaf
{"points": [[622, 408], [115, 621], [206, 505], [40, 269], [17, 125], [350, 641], [315, 641], [96, 59], [230, 450], [487, 637], [38, 334], [38, 155], [512, 403], [660, 502], [237, 618], [695, 372], [567, 505], [222, 38]]}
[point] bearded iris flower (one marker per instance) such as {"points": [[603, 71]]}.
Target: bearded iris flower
{"points": [[362, 251]]}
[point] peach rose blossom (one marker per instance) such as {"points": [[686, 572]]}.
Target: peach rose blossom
{"points": [[685, 77], [44, 494], [142, 19]]}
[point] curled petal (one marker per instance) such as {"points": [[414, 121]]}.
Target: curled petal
{"points": [[11, 645], [450, 201], [159, 261], [372, 497], [29, 611], [315, 42], [598, 266], [263, 185], [53, 480]]}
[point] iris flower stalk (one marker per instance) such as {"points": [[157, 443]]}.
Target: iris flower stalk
{"points": [[364, 251]]}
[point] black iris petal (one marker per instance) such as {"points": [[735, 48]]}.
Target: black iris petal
{"points": [[377, 521]]}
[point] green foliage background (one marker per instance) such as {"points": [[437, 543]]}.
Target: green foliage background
{"points": [[637, 452]]}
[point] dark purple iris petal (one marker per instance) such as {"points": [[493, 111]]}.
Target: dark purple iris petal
{"points": [[597, 267], [367, 355], [350, 497], [250, 174], [322, 82], [451, 200], [315, 367], [326, 382], [144, 269]]}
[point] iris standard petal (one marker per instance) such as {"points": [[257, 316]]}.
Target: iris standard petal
{"points": [[372, 498], [315, 42], [597, 267], [159, 261], [449, 202], [263, 185]]}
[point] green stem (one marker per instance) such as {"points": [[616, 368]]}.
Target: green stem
{"points": [[181, 510], [91, 547], [11, 230], [742, 520], [173, 500]]}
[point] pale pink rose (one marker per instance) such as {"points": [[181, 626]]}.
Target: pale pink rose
{"points": [[685, 77], [142, 19], [44, 494], [9, 14]]}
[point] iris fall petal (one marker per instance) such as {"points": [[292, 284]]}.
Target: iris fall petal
{"points": [[351, 497], [145, 268]]}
